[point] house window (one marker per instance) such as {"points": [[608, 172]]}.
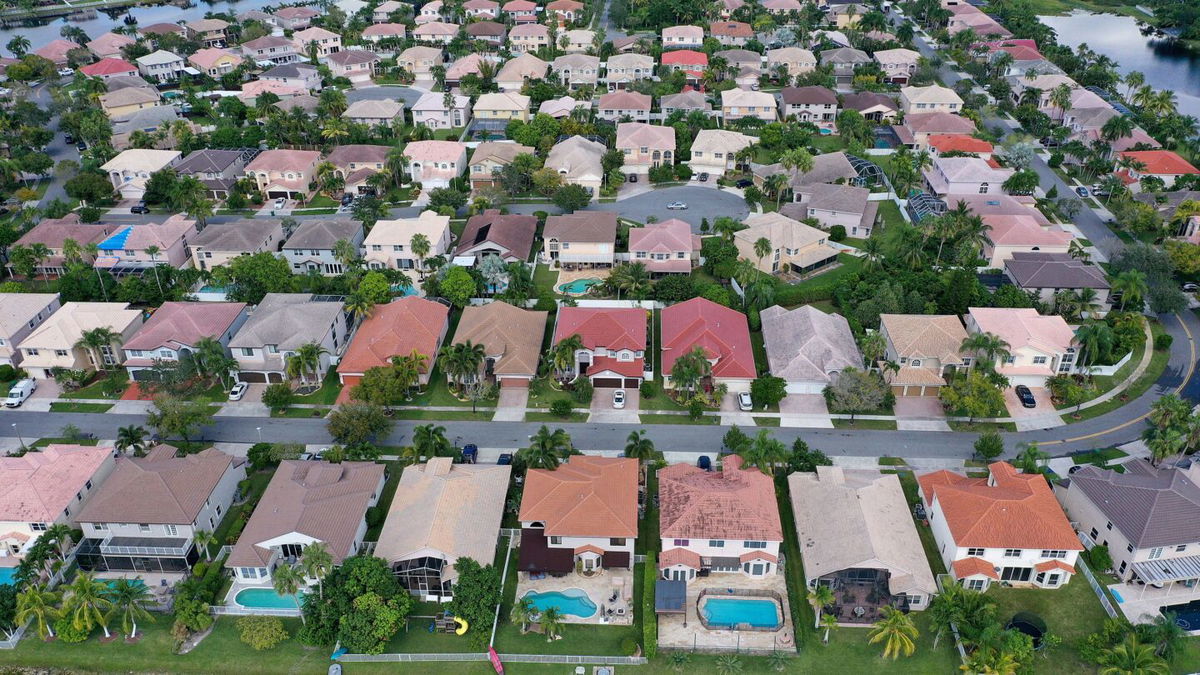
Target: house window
{"points": [[87, 485], [143, 527], [1108, 526], [975, 584], [557, 541], [1181, 548], [60, 352], [1121, 569], [100, 526], [1054, 554], [172, 530], [975, 552], [1012, 553], [1039, 360], [247, 351], [716, 543], [1094, 533], [37, 527], [1129, 547], [754, 544], [616, 541], [248, 572], [1156, 553], [681, 542]]}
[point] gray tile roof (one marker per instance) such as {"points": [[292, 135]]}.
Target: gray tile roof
{"points": [[207, 161], [1150, 506], [1053, 270], [324, 233], [808, 344], [287, 320], [238, 235]]}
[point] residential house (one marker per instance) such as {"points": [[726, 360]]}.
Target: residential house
{"points": [[442, 512], [55, 343], [583, 238], [154, 31], [208, 32], [926, 348], [125, 102], [917, 128], [215, 62], [355, 164], [520, 11], [126, 82], [21, 313], [489, 158], [109, 45], [311, 248], [739, 103], [128, 249], [690, 61], [871, 105], [434, 164], [41, 489], [940, 144], [577, 70], [856, 535], [599, 529], [389, 244], [645, 146], [817, 105], [968, 17], [306, 502], [845, 60], [279, 326], [1010, 234], [284, 173], [1040, 87], [130, 170], [931, 98], [832, 205], [567, 11], [579, 40], [431, 111], [299, 75], [467, 65], [378, 32], [686, 102], [174, 330], [219, 243], [1162, 164], [420, 61], [781, 7], [513, 75], [108, 68], [719, 332], [831, 167], [482, 9], [745, 64], [144, 517], [717, 522], [614, 343], [714, 151], [509, 236], [528, 37], [430, 11], [618, 105], [356, 65], [375, 112], [898, 65], [511, 339], [295, 18], [665, 247], [399, 328], [1006, 528], [807, 347], [964, 175], [621, 70], [217, 169], [273, 49], [384, 10], [56, 51], [682, 37], [793, 60], [490, 32], [1047, 273], [578, 161], [731, 33], [1144, 515], [317, 42], [795, 247], [495, 110], [435, 33], [1038, 346], [53, 233]]}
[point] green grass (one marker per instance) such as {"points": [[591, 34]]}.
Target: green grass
{"points": [[455, 415], [394, 469], [92, 390], [1158, 363], [321, 202], [766, 421], [891, 461], [827, 144], [447, 134], [1072, 612], [546, 280], [760, 351], [889, 215], [982, 426], [327, 393], [880, 425], [255, 487], [660, 401], [72, 407], [542, 393], [43, 442], [551, 418], [1104, 383], [1098, 457], [908, 481], [300, 413], [679, 419]]}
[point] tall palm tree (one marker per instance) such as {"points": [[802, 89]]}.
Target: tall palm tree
{"points": [[345, 253], [38, 604], [820, 598], [762, 249], [1060, 97], [316, 561], [287, 580], [307, 359], [1079, 252], [562, 358], [1163, 442], [547, 449], [131, 438], [213, 359], [60, 534], [129, 601], [1132, 285], [88, 604], [204, 540], [830, 623], [420, 247], [989, 345], [462, 362], [95, 340], [430, 440], [522, 613], [897, 633], [552, 622], [1132, 658], [360, 306], [640, 448]]}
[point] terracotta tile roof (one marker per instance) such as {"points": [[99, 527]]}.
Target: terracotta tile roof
{"points": [[108, 67], [613, 329], [679, 556], [284, 160], [970, 567], [731, 29], [925, 336], [54, 231], [734, 503], [159, 488], [1051, 565], [959, 142], [396, 329], [511, 333], [345, 155], [624, 100], [685, 57], [1161, 162], [721, 332], [750, 556], [323, 501], [177, 324], [1016, 511], [56, 50], [38, 486], [586, 497]]}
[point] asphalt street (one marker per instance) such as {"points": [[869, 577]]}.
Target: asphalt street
{"points": [[702, 202]]}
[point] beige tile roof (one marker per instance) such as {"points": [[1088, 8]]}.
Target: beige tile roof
{"points": [[586, 497], [1024, 327], [503, 100], [640, 134], [141, 160], [159, 488], [924, 336], [18, 309], [324, 501], [720, 140], [64, 328], [806, 344], [930, 94], [37, 487], [502, 153], [446, 510], [577, 158], [513, 334]]}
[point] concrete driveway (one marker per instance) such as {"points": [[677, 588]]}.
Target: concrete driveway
{"points": [[1043, 416], [920, 413], [731, 414], [511, 405], [804, 410], [602, 410]]}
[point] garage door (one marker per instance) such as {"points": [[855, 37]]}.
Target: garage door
{"points": [[804, 388], [898, 391], [609, 382], [633, 382], [252, 377]]}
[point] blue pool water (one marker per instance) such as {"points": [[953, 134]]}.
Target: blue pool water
{"points": [[757, 612], [578, 287], [826, 132], [266, 598], [113, 582], [404, 291], [1116, 595], [7, 574], [571, 601]]}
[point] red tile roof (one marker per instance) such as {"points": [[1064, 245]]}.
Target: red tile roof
{"points": [[1051, 565], [970, 567], [734, 503], [685, 57], [177, 324], [749, 556], [1161, 162], [1016, 511], [586, 497], [396, 329], [731, 29], [958, 142], [612, 329], [721, 332], [107, 67], [679, 556]]}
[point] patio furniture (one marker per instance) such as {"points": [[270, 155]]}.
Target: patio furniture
{"points": [[860, 610]]}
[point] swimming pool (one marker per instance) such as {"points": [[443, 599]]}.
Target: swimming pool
{"points": [[404, 291], [7, 574], [266, 598], [758, 612], [574, 601], [578, 286], [1187, 616]]}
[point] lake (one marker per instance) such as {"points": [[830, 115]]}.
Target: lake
{"points": [[1166, 64]]}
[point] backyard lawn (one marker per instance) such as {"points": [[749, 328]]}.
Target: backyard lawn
{"points": [[1072, 612]]}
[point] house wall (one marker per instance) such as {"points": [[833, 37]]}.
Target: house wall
{"points": [[603, 543], [205, 259], [259, 361], [71, 357], [731, 549], [9, 354], [402, 259], [580, 252]]}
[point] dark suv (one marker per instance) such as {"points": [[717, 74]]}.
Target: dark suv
{"points": [[1026, 396]]}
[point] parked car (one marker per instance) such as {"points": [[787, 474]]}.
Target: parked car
{"points": [[238, 391], [347, 199], [1026, 396], [633, 178], [744, 401], [68, 138], [81, 146], [703, 177], [505, 459], [279, 203], [19, 392], [744, 183], [66, 72], [1190, 287], [703, 462], [619, 399], [140, 207], [1082, 192], [677, 206], [314, 456]]}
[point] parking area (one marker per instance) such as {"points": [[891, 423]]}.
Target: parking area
{"points": [[1041, 416], [603, 410], [920, 413], [511, 405], [804, 410], [731, 413]]}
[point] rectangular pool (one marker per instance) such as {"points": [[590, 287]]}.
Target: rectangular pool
{"points": [[7, 574], [1187, 616], [731, 611]]}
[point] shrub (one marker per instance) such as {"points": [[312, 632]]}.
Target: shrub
{"points": [[7, 373], [837, 233], [649, 628], [561, 408], [1056, 160], [582, 391], [262, 632], [754, 319], [260, 457], [200, 568], [648, 389], [90, 214], [66, 631], [683, 172], [629, 646], [695, 409], [1099, 558], [1163, 342], [278, 396], [374, 516]]}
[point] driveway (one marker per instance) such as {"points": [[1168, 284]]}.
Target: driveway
{"points": [[804, 410], [511, 405], [602, 410], [731, 414], [920, 413], [1043, 416]]}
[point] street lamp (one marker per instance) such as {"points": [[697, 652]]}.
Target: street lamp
{"points": [[259, 430], [18, 433]]}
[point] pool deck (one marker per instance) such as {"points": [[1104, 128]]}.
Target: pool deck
{"points": [[567, 276], [684, 631], [1140, 603], [599, 589]]}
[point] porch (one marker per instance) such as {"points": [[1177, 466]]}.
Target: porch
{"points": [[860, 595]]}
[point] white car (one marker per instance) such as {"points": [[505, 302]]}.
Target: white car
{"points": [[238, 391], [66, 72], [5, 91], [619, 399], [279, 203], [19, 392], [744, 401], [677, 206]]}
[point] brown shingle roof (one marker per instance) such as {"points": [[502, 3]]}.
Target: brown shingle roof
{"points": [[512, 232]]}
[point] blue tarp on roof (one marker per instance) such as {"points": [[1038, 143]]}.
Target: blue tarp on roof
{"points": [[117, 241]]}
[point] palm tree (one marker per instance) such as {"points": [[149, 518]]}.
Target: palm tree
{"points": [[897, 632], [19, 46], [287, 580], [88, 603], [820, 598], [562, 358], [462, 362], [95, 341], [1096, 341], [131, 438], [729, 664], [430, 440], [690, 370], [552, 622], [679, 661], [1131, 284], [547, 448], [776, 184], [307, 359], [213, 359], [1163, 442], [420, 247], [989, 345], [522, 613], [640, 448], [345, 253], [60, 534], [1132, 658], [1134, 80], [1079, 252], [762, 248], [1060, 97], [316, 562], [830, 623], [36, 603], [205, 539], [1166, 634], [129, 600]]}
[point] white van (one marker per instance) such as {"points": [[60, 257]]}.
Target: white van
{"points": [[20, 391]]}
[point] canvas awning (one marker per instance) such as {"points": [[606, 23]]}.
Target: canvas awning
{"points": [[1169, 569]]}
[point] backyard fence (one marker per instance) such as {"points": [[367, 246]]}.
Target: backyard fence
{"points": [[962, 652], [11, 642], [1097, 589], [228, 610], [508, 658]]}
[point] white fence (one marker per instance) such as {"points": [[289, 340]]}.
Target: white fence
{"points": [[230, 610], [619, 304], [507, 658], [1109, 371]]}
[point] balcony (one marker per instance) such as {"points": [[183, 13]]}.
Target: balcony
{"points": [[146, 546]]}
